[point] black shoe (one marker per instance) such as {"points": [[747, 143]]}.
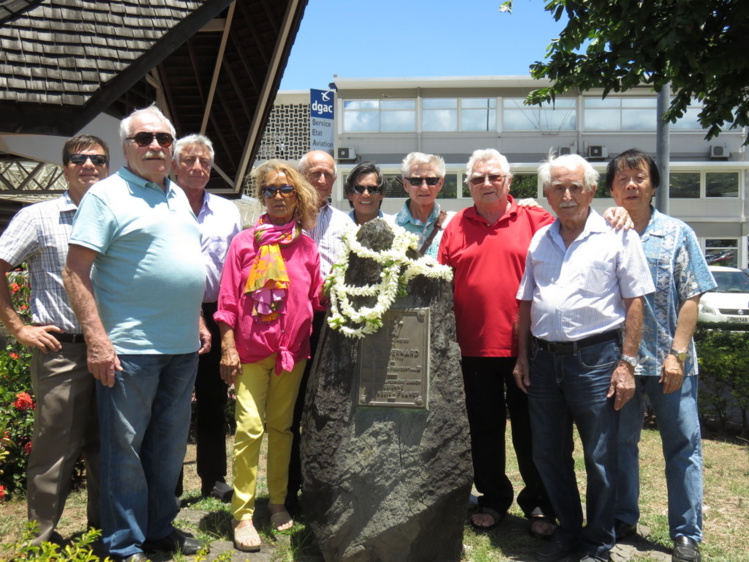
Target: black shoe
{"points": [[176, 541], [593, 558], [220, 490], [555, 550], [623, 530], [137, 557], [686, 550]]}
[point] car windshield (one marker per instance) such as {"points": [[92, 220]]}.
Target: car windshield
{"points": [[731, 282]]}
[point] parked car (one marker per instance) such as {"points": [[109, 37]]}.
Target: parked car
{"points": [[729, 301]]}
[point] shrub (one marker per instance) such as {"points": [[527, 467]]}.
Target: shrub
{"points": [[17, 403]]}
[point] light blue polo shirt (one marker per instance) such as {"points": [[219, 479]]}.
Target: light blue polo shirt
{"points": [[149, 276]]}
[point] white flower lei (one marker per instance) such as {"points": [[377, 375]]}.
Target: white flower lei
{"points": [[343, 314]]}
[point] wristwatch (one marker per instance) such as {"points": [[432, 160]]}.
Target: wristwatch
{"points": [[632, 361], [680, 355]]}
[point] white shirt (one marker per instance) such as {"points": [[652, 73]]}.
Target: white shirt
{"points": [[578, 291], [219, 222]]}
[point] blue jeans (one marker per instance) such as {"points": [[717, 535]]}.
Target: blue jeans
{"points": [[567, 388], [144, 421], [678, 421]]}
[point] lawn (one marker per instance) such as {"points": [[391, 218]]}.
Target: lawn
{"points": [[726, 510]]}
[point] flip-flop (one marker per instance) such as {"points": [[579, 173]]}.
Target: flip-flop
{"points": [[280, 519], [541, 519], [245, 537], [493, 513]]}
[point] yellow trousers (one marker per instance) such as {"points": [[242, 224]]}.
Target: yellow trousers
{"points": [[264, 400]]}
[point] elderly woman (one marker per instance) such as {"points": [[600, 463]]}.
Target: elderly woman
{"points": [[423, 178], [365, 189], [269, 286]]}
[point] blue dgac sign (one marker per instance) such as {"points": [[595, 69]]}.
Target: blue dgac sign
{"points": [[322, 103], [322, 111]]}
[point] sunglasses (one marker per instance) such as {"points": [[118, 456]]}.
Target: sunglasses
{"points": [[96, 159], [145, 139], [493, 178], [416, 182], [373, 189], [270, 191]]}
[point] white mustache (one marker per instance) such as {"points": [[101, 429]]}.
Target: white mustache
{"points": [[567, 205], [153, 154]]}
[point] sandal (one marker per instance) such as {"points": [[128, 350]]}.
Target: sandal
{"points": [[281, 521], [246, 537], [493, 513], [537, 524]]}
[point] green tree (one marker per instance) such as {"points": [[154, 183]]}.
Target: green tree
{"points": [[699, 46]]}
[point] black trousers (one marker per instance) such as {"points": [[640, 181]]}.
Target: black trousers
{"points": [[295, 463], [210, 409], [490, 393]]}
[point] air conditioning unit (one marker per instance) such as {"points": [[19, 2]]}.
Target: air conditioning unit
{"points": [[597, 151], [346, 153], [564, 150], [719, 152]]}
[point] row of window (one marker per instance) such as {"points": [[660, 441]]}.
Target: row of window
{"points": [[481, 115], [684, 185]]}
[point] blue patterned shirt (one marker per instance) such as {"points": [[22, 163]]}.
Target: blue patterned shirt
{"points": [[679, 272], [423, 230]]}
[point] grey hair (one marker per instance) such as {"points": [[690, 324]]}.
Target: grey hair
{"points": [[414, 158], [192, 140], [569, 161], [487, 155], [152, 110]]}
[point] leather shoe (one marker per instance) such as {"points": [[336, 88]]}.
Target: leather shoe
{"points": [[686, 550], [623, 530], [555, 550], [137, 557], [220, 490], [176, 541]]}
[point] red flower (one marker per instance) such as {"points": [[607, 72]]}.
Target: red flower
{"points": [[23, 401], [27, 448], [2, 492], [14, 288], [14, 355], [23, 307]]}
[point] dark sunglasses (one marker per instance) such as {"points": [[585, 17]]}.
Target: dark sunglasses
{"points": [[145, 139], [373, 189], [269, 191], [416, 182], [493, 178], [96, 159]]}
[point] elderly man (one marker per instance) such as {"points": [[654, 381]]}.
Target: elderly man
{"points": [[219, 222], [65, 423], [423, 178], [667, 369], [319, 169], [486, 246], [583, 284], [143, 331]]}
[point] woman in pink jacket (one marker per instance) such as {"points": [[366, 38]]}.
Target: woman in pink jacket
{"points": [[269, 287]]}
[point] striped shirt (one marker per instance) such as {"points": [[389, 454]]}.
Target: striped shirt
{"points": [[39, 235], [331, 224]]}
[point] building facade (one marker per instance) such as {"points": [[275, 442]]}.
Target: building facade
{"points": [[385, 119]]}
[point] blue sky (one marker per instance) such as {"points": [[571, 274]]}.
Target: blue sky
{"points": [[397, 38]]}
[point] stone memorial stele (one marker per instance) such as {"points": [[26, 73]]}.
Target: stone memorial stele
{"points": [[385, 444]]}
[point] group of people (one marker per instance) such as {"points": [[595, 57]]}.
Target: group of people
{"points": [[152, 287]]}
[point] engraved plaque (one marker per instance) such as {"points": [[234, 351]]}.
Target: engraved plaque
{"points": [[394, 362]]}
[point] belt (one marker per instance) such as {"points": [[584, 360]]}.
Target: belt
{"points": [[565, 347], [68, 338]]}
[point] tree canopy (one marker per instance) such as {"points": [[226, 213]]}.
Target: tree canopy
{"points": [[700, 46]]}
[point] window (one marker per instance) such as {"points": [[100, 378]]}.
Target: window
{"points": [[379, 116], [465, 114], [478, 114], [620, 114], [561, 116], [722, 251], [693, 185], [439, 114]]}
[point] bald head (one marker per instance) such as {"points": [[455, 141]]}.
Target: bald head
{"points": [[318, 167]]}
